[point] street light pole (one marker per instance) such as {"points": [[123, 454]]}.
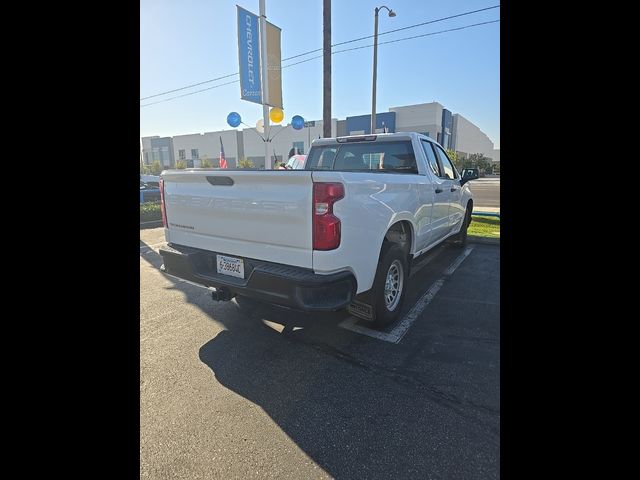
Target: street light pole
{"points": [[375, 65]]}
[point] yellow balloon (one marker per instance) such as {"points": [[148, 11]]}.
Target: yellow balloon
{"points": [[276, 115]]}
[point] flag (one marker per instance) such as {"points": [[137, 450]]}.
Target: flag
{"points": [[223, 161]]}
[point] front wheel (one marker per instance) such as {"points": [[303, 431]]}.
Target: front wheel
{"points": [[390, 284], [460, 238]]}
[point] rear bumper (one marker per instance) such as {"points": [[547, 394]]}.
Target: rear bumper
{"points": [[286, 285]]}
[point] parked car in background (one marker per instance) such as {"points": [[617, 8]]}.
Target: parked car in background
{"points": [[151, 180], [296, 162], [149, 193], [471, 172]]}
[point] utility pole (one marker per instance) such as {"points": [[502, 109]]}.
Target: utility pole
{"points": [[326, 66], [265, 83]]}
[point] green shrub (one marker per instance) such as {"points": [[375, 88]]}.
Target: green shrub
{"points": [[245, 163], [150, 212]]}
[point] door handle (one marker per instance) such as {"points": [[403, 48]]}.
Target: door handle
{"points": [[453, 189], [438, 190]]}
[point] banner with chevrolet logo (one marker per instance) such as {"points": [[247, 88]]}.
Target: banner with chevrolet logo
{"points": [[249, 56], [250, 60]]}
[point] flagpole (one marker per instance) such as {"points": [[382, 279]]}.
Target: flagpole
{"points": [[265, 83]]}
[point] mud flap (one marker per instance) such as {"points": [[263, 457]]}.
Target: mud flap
{"points": [[362, 310]]}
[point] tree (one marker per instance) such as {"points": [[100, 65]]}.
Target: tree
{"points": [[479, 161], [453, 156], [245, 163], [206, 163], [156, 168], [181, 165]]}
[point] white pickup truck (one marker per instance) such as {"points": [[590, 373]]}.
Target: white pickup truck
{"points": [[341, 233]]}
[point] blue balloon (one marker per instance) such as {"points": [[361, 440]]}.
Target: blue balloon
{"points": [[297, 122], [234, 119]]}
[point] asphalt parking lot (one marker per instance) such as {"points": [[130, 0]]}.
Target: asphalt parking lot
{"points": [[486, 192], [245, 390]]}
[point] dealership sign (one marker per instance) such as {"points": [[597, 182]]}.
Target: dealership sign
{"points": [[249, 56]]}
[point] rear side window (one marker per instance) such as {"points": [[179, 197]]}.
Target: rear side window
{"points": [[369, 156], [449, 170], [431, 158], [321, 158]]}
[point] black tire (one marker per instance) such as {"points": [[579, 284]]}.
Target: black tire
{"points": [[385, 312], [460, 238]]}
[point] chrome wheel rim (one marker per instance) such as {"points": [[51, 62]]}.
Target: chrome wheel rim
{"points": [[393, 285]]}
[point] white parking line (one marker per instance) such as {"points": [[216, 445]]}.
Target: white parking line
{"points": [[456, 263], [399, 331]]}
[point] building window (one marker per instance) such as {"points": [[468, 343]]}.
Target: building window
{"points": [[299, 147], [164, 155], [146, 158], [182, 155], [155, 154], [194, 153]]}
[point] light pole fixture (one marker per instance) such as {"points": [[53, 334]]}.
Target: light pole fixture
{"points": [[375, 65]]}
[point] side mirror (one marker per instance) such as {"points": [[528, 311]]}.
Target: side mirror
{"points": [[469, 174]]}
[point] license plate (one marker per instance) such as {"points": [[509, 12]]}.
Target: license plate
{"points": [[230, 266]]}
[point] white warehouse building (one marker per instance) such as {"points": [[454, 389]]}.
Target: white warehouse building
{"points": [[195, 147], [433, 119], [469, 139]]}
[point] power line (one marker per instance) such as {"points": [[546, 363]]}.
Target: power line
{"points": [[319, 50], [392, 41], [396, 30], [332, 53], [190, 93], [189, 86], [418, 36]]}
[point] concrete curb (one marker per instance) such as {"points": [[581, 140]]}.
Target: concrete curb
{"points": [[484, 240], [151, 224]]}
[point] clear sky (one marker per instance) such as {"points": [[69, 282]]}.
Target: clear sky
{"points": [[190, 41]]}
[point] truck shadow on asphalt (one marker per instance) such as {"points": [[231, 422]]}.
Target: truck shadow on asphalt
{"points": [[354, 417]]}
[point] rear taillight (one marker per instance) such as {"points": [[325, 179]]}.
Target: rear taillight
{"points": [[162, 206], [326, 226]]}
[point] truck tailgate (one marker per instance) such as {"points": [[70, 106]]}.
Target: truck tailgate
{"points": [[264, 215]]}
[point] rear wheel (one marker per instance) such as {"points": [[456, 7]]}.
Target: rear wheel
{"points": [[389, 286]]}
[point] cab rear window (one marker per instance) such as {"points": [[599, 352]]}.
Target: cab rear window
{"points": [[395, 156]]}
